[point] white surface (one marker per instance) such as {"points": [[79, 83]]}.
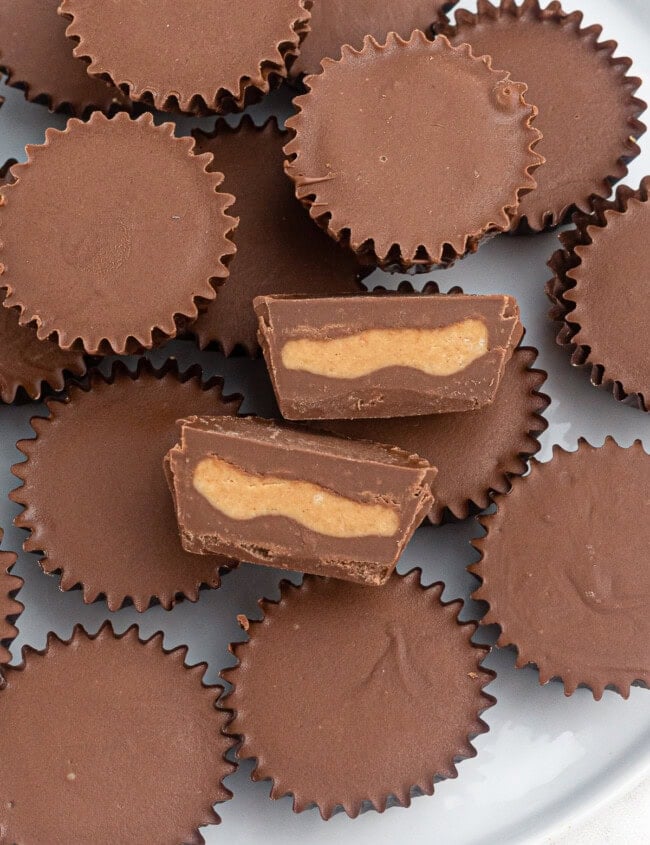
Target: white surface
{"points": [[548, 762]]}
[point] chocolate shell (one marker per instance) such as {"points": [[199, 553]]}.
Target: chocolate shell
{"points": [[37, 57], [114, 739], [279, 250], [337, 22], [140, 234], [223, 52], [10, 609], [468, 160], [564, 568], [389, 706], [598, 294], [476, 452], [588, 113], [94, 492]]}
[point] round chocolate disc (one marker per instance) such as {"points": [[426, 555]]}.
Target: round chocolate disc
{"points": [[564, 567], [476, 452], [382, 686], [587, 109], [198, 55], [95, 494], [9, 607], [36, 55], [279, 249], [109, 740], [598, 295], [112, 229], [337, 22], [468, 158]]}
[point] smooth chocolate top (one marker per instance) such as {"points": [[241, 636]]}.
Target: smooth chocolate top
{"points": [[9, 607], [30, 364], [475, 452], [196, 55], [587, 111], [111, 229], [36, 55], [467, 160], [383, 688], [337, 22], [387, 354], [279, 250], [112, 741], [564, 567], [610, 315], [96, 497], [268, 493]]}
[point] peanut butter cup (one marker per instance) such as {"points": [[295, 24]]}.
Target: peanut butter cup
{"points": [[601, 294], [337, 22], [389, 706], [468, 160], [111, 230], [94, 491], [10, 609], [476, 452], [197, 56], [113, 740], [588, 113], [279, 250], [564, 568], [37, 57]]}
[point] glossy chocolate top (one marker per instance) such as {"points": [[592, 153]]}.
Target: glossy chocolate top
{"points": [[95, 495], [36, 55], [337, 22], [112, 229], [198, 55], [279, 249], [379, 691], [564, 570], [587, 111], [112, 740], [469, 154]]}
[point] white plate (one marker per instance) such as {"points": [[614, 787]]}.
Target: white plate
{"points": [[547, 760]]}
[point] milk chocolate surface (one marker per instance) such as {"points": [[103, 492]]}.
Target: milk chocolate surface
{"points": [[386, 355], [279, 250], [337, 22], [564, 567], [9, 607], [267, 493], [379, 691], [113, 742], [36, 55]]}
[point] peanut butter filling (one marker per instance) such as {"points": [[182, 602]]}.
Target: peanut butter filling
{"points": [[437, 352], [242, 495]]}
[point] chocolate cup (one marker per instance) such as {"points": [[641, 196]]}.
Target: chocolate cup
{"points": [[562, 585], [573, 184], [477, 452], [337, 22], [350, 189], [564, 292], [110, 529], [95, 177], [101, 41], [279, 250], [10, 608], [37, 58], [124, 740], [394, 668]]}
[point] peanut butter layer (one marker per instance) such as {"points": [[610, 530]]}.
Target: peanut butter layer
{"points": [[286, 497], [436, 352], [243, 495], [386, 355]]}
